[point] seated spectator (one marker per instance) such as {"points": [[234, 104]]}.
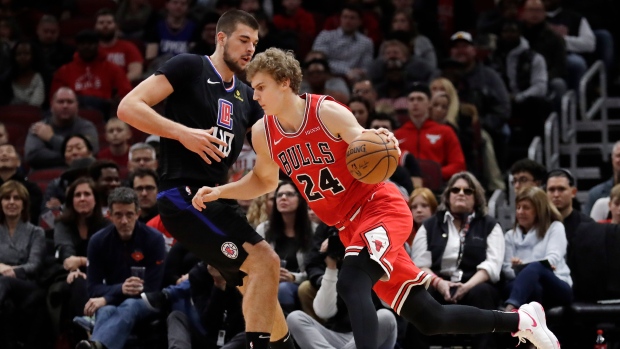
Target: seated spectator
{"points": [[537, 239], [428, 140], [117, 134], [270, 36], [123, 53], [333, 85], [561, 191], [142, 155], [4, 134], [44, 143], [464, 246], [294, 18], [369, 19], [55, 52], [172, 34], [94, 79], [420, 45], [132, 17], [613, 207], [526, 172], [335, 329], [490, 22], [206, 313], [483, 87], [361, 110], [542, 39], [423, 205], [205, 45], [22, 248], [144, 182], [578, 36], [26, 77], [55, 193], [289, 231], [113, 290], [604, 189], [415, 69], [105, 174], [525, 74], [80, 220], [348, 51], [365, 89], [10, 170]]}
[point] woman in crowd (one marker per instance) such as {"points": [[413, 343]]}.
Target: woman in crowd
{"points": [[289, 231], [22, 248], [422, 46], [534, 262], [464, 246], [423, 205], [463, 118], [361, 109], [27, 85], [80, 219]]}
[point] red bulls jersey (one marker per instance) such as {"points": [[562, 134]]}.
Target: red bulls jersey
{"points": [[315, 160]]}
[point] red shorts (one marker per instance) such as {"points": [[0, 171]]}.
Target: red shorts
{"points": [[382, 225]]}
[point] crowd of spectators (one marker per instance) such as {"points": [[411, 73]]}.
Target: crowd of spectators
{"points": [[464, 85]]}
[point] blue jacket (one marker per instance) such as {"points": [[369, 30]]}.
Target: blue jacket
{"points": [[110, 260]]}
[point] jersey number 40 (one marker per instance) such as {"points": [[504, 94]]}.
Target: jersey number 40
{"points": [[326, 182]]}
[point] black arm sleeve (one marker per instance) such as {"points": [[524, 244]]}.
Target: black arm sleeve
{"points": [[411, 164]]}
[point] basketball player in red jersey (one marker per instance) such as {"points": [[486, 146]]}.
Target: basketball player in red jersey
{"points": [[307, 137]]}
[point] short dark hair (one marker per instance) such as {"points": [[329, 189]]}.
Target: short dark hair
{"points": [[354, 8], [143, 172], [97, 167], [63, 147], [562, 172], [123, 195], [229, 20], [537, 170], [320, 61], [105, 12], [383, 116]]}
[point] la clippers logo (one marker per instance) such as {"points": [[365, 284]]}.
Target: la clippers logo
{"points": [[230, 250], [188, 191], [224, 114]]}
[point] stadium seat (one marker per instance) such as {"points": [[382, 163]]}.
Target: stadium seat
{"points": [[431, 174], [94, 116], [90, 7], [17, 134], [20, 114], [44, 176]]}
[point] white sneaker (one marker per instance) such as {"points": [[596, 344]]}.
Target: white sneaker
{"points": [[533, 327]]}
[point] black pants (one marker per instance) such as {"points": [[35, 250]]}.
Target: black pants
{"points": [[23, 315]]}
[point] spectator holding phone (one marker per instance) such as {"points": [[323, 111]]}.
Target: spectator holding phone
{"points": [[534, 262], [464, 246]]}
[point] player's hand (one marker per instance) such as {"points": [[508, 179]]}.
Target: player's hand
{"points": [[203, 143], [93, 305], [388, 134], [205, 194]]}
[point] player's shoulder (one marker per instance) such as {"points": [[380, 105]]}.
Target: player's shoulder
{"points": [[329, 106]]}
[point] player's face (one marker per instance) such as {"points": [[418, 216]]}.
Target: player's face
{"points": [[526, 215], [420, 209], [287, 199], [239, 48], [268, 93]]}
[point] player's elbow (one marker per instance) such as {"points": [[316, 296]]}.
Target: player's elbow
{"points": [[125, 108]]}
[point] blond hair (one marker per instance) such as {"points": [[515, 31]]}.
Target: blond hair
{"points": [[453, 99], [281, 65], [546, 213], [257, 212], [615, 193]]}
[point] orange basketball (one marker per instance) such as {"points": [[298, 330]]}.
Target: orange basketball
{"points": [[371, 158]]}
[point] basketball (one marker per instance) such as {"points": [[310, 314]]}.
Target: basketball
{"points": [[371, 158]]}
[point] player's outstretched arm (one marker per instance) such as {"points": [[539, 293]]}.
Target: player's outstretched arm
{"points": [[261, 180], [135, 109]]}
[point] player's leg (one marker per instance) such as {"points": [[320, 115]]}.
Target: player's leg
{"points": [[259, 300]]}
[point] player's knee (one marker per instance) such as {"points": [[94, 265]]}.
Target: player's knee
{"points": [[265, 259]]}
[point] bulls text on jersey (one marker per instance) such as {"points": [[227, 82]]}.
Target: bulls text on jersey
{"points": [[295, 157]]}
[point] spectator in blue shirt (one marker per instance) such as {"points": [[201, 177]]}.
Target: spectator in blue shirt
{"points": [[112, 252]]}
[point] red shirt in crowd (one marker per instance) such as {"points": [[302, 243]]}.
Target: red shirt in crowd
{"points": [[435, 142], [122, 53], [120, 160], [301, 22], [98, 78]]}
